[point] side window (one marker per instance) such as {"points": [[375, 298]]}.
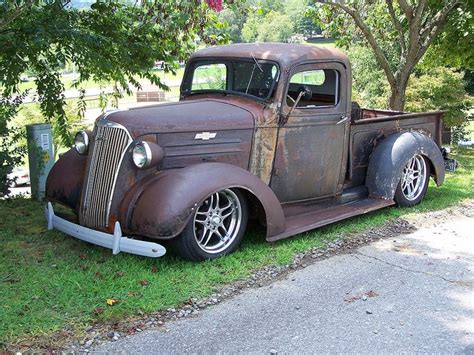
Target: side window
{"points": [[210, 77], [320, 85]]}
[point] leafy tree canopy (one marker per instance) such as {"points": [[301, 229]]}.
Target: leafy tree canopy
{"points": [[114, 41], [439, 88], [277, 21], [429, 89], [453, 47], [399, 32]]}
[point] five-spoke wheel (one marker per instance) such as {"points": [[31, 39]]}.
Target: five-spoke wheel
{"points": [[217, 227], [413, 182]]}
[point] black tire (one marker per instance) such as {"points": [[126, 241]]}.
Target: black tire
{"points": [[214, 230], [411, 188]]}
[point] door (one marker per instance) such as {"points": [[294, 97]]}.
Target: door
{"points": [[312, 138]]}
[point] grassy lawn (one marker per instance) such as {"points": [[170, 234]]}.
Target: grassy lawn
{"points": [[325, 42], [68, 80], [49, 281], [470, 129]]}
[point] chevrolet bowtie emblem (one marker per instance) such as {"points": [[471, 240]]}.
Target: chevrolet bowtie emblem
{"points": [[205, 136]]}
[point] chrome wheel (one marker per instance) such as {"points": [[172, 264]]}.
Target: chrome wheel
{"points": [[414, 178], [217, 221]]}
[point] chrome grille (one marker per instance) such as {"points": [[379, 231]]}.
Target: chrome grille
{"points": [[110, 143]]}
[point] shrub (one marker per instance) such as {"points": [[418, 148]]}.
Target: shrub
{"points": [[439, 89], [10, 152]]}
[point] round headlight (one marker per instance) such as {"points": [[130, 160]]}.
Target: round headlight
{"points": [[141, 155], [81, 142]]}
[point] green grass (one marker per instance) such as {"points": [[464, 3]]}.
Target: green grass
{"points": [[49, 281], [68, 81], [470, 129], [329, 42]]}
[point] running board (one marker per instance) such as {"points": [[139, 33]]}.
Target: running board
{"points": [[316, 216]]}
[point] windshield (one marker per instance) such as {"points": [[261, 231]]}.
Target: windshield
{"points": [[250, 77]]}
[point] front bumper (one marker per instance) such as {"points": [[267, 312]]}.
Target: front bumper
{"points": [[115, 241]]}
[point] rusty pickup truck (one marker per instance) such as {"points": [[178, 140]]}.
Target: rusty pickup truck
{"points": [[266, 132]]}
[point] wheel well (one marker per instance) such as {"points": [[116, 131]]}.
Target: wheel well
{"points": [[256, 210], [431, 165]]}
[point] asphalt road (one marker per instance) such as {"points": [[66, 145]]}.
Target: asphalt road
{"points": [[412, 293]]}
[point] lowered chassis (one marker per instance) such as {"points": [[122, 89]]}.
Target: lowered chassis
{"points": [[298, 218]]}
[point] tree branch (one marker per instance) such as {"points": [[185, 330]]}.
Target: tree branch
{"points": [[414, 23], [379, 55], [435, 27], [9, 18], [418, 12], [397, 24], [407, 9], [432, 29]]}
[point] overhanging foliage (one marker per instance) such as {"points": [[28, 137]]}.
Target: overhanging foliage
{"points": [[114, 42]]}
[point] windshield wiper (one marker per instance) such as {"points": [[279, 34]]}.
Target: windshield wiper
{"points": [[256, 62], [253, 71]]}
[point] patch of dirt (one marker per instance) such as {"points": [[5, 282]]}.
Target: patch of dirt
{"points": [[97, 334]]}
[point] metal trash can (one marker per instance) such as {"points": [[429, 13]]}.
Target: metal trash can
{"points": [[40, 157]]}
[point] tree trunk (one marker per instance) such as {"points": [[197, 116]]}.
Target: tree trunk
{"points": [[396, 100]]}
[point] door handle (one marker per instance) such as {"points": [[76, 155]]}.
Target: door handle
{"points": [[342, 120]]}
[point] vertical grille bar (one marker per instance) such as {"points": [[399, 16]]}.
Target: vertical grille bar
{"points": [[110, 143]]}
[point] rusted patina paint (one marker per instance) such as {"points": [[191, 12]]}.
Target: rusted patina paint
{"points": [[300, 170], [285, 54], [263, 152], [66, 179], [162, 208]]}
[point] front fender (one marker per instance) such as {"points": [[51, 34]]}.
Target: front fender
{"points": [[66, 179], [163, 205], [392, 154]]}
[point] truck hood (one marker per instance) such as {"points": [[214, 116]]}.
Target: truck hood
{"points": [[185, 116]]}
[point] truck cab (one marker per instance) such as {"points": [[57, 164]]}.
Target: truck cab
{"points": [[261, 131]]}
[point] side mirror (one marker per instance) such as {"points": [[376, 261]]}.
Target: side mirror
{"points": [[304, 92]]}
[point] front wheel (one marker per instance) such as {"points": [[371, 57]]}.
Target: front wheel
{"points": [[216, 228], [413, 183]]}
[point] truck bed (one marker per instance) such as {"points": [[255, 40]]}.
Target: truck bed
{"points": [[369, 127]]}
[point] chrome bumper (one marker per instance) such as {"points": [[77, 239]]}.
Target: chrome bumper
{"points": [[115, 241]]}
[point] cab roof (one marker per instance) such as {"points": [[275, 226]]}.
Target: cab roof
{"points": [[286, 54]]}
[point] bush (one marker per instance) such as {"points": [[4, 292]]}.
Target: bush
{"points": [[10, 152], [272, 27], [439, 89], [31, 113], [369, 86], [429, 89]]}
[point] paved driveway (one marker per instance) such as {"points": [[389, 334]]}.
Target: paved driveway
{"points": [[412, 293]]}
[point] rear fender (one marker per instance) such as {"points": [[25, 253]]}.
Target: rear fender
{"points": [[66, 179], [392, 154], [163, 204]]}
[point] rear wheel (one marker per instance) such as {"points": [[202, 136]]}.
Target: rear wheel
{"points": [[216, 228], [413, 183]]}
